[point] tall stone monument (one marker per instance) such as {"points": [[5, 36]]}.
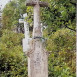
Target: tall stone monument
{"points": [[37, 56]]}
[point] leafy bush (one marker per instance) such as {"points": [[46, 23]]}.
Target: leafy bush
{"points": [[13, 63], [63, 39], [62, 56]]}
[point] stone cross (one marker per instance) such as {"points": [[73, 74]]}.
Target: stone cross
{"points": [[37, 56], [27, 38]]}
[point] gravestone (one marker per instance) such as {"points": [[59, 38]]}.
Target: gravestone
{"points": [[26, 40], [37, 56]]}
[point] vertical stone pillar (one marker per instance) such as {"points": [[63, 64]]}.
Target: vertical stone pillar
{"points": [[37, 27], [38, 60], [37, 56]]}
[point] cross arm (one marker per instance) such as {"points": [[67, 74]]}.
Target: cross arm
{"points": [[42, 4]]}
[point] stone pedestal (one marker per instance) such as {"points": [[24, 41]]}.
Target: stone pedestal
{"points": [[37, 60]]}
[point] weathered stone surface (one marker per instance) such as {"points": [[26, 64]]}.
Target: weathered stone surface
{"points": [[37, 60], [42, 4], [37, 56]]}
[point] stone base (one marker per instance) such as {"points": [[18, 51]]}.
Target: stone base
{"points": [[37, 60]]}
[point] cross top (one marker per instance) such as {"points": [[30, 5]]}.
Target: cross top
{"points": [[34, 2]]}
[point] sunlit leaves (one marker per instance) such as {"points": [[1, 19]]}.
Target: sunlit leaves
{"points": [[58, 14], [12, 60], [12, 12], [62, 39], [61, 46]]}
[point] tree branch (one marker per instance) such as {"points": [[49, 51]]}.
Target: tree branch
{"points": [[70, 28]]}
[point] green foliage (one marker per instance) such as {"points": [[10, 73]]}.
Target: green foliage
{"points": [[59, 68], [59, 14], [62, 39], [12, 60], [62, 56], [12, 12]]}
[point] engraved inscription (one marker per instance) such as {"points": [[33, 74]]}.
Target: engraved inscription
{"points": [[37, 61]]}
